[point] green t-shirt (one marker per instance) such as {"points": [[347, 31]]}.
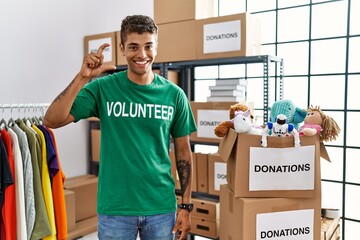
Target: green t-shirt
{"points": [[136, 122]]}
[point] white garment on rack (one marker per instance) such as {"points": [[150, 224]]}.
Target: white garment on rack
{"points": [[21, 231]]}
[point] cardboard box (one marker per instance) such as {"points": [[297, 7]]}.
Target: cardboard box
{"points": [[173, 76], [217, 173], [85, 188], [166, 11], [95, 145], [207, 116], [206, 209], [70, 209], [176, 42], [204, 227], [255, 171], [228, 36], [93, 42], [176, 175], [83, 228], [262, 218], [330, 228], [202, 172]]}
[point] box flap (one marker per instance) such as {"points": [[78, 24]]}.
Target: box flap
{"points": [[323, 153], [226, 144]]}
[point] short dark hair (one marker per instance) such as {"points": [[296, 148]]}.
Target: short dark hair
{"points": [[137, 23]]}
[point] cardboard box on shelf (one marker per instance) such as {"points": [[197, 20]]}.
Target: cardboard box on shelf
{"points": [[205, 227], [85, 189], [202, 172], [173, 76], [265, 218], [207, 116], [279, 170], [206, 209], [176, 42], [95, 145], [93, 42], [228, 36], [70, 209], [217, 173], [83, 228], [180, 10]]}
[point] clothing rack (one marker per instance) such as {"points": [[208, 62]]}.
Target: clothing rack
{"points": [[28, 108], [24, 105]]}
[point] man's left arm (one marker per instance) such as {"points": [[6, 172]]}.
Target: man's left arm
{"points": [[184, 162]]}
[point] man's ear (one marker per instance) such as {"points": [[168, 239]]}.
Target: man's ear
{"points": [[122, 49]]}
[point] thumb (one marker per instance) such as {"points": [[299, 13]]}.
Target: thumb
{"points": [[107, 68], [176, 228]]}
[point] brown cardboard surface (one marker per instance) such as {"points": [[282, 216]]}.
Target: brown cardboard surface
{"points": [[214, 173], [234, 148], [113, 46], [173, 76], [204, 227], [95, 145], [238, 216], [83, 228], [250, 36], [195, 106], [176, 42], [70, 209], [202, 172], [206, 209], [166, 11], [329, 227], [85, 189]]}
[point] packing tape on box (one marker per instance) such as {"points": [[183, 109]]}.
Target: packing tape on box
{"points": [[331, 212]]}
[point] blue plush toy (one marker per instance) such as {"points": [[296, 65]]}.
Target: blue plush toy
{"points": [[294, 115]]}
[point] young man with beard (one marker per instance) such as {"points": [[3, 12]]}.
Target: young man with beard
{"points": [[138, 112]]}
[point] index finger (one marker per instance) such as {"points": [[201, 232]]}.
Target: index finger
{"points": [[102, 47]]}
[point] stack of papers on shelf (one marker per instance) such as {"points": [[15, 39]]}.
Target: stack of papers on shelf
{"points": [[228, 90]]}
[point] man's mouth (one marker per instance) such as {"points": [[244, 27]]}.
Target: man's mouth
{"points": [[142, 62]]}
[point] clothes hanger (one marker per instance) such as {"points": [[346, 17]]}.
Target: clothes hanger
{"points": [[11, 121]]}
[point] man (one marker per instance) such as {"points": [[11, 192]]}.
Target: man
{"points": [[138, 112]]}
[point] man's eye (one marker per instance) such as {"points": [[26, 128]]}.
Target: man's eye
{"points": [[149, 47]]}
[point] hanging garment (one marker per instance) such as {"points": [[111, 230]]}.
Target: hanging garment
{"points": [[46, 186], [21, 231], [28, 180], [58, 194], [6, 180], [9, 205], [42, 225]]}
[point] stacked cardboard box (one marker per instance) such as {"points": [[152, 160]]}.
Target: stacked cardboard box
{"points": [[228, 90], [271, 192], [80, 198]]}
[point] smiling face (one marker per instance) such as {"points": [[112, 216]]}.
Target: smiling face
{"points": [[139, 51]]}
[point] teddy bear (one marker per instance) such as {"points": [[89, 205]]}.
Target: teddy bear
{"points": [[223, 127], [317, 122]]}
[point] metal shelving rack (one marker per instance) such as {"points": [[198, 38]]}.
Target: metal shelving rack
{"points": [[187, 75]]}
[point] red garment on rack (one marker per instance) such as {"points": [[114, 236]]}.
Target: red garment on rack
{"points": [[9, 207]]}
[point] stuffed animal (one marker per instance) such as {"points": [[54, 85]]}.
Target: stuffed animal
{"points": [[317, 122], [294, 115], [223, 127], [280, 128], [243, 122]]}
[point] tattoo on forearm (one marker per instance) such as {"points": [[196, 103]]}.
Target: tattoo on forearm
{"points": [[184, 170], [64, 91]]}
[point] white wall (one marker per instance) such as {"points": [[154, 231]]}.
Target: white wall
{"points": [[42, 48]]}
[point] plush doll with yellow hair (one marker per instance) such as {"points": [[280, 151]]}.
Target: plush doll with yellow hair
{"points": [[240, 119], [317, 122]]}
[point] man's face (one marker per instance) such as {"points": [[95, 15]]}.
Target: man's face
{"points": [[140, 51]]}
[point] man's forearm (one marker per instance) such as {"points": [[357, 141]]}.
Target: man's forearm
{"points": [[184, 168], [58, 113]]}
